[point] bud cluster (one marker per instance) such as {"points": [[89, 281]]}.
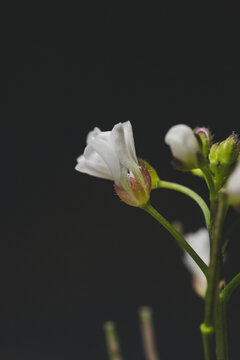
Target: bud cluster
{"points": [[193, 150], [223, 157]]}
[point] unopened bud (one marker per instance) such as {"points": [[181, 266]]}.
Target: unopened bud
{"points": [[205, 137], [223, 157], [185, 147]]}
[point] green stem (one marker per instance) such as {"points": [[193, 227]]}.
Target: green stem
{"points": [[208, 344], [221, 330], [192, 194], [112, 341], [214, 258], [224, 296], [213, 277], [228, 290], [180, 239]]}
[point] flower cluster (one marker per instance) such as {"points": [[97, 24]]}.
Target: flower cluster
{"points": [[193, 150], [111, 155]]}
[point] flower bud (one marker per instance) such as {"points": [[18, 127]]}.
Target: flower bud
{"points": [[205, 138], [184, 146], [135, 192], [233, 186], [223, 157]]}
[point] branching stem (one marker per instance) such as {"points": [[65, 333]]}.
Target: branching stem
{"points": [[192, 194]]}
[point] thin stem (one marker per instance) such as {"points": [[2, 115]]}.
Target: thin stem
{"points": [[224, 296], [148, 336], [214, 258], [226, 293], [180, 239], [192, 194], [221, 330], [213, 277], [112, 341]]}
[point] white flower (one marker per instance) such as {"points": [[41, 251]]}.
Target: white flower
{"points": [[111, 155], [199, 241], [233, 186], [184, 145]]}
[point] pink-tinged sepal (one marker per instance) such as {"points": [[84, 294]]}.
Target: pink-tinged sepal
{"points": [[154, 181], [147, 178], [125, 196], [136, 194]]}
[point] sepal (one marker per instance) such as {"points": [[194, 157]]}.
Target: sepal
{"points": [[152, 172], [205, 139], [136, 193]]}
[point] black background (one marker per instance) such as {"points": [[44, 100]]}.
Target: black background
{"points": [[72, 255]]}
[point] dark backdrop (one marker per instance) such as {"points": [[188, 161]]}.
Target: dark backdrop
{"points": [[72, 255]]}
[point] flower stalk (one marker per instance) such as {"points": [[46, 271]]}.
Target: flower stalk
{"points": [[178, 237], [148, 336], [192, 194], [112, 341]]}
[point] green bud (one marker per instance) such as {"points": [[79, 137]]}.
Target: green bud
{"points": [[223, 157]]}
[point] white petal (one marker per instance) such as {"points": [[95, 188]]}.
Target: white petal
{"points": [[92, 162], [92, 134], [183, 143], [200, 284], [199, 241], [107, 153], [89, 167], [129, 139], [124, 145], [233, 186], [110, 154]]}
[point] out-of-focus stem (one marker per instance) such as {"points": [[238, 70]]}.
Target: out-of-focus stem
{"points": [[112, 341], [148, 336], [224, 296]]}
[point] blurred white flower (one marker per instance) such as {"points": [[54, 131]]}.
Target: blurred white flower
{"points": [[200, 242], [111, 155], [184, 145], [233, 186]]}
